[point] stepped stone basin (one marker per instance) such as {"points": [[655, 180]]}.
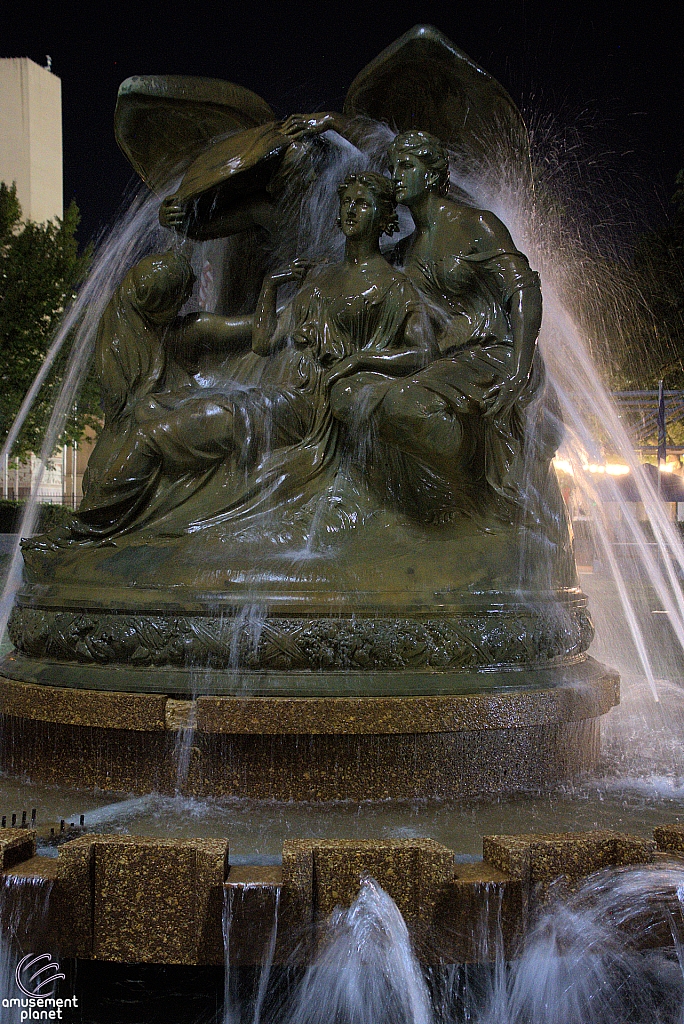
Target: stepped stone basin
{"points": [[111, 899], [543, 730]]}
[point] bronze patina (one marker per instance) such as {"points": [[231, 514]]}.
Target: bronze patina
{"points": [[345, 487]]}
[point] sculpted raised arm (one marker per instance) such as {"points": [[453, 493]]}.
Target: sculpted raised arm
{"points": [[302, 126], [213, 330], [266, 315], [241, 217], [197, 331]]}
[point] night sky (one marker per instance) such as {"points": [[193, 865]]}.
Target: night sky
{"points": [[605, 79]]}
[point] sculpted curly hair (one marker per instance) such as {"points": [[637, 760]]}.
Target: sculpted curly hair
{"points": [[429, 150], [382, 191]]}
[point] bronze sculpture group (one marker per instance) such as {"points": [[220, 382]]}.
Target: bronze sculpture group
{"points": [[434, 357], [363, 430]]}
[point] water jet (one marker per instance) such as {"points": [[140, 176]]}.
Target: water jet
{"points": [[325, 535], [322, 553]]}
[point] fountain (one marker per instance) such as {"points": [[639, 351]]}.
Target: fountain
{"points": [[322, 553], [328, 523]]}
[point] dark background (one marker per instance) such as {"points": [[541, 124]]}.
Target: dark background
{"points": [[600, 83]]}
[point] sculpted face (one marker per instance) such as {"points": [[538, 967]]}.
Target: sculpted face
{"points": [[411, 177], [359, 215]]}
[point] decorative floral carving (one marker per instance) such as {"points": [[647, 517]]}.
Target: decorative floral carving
{"points": [[332, 644]]}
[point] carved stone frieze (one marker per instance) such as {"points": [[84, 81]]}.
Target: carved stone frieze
{"points": [[261, 643]]}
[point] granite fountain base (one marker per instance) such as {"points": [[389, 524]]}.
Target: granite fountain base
{"points": [[528, 729], [111, 899]]}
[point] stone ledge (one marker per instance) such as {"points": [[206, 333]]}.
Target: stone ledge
{"points": [[670, 838], [586, 691], [144, 900], [112, 710], [133, 899], [541, 858], [326, 872], [16, 845], [420, 714], [156, 900]]}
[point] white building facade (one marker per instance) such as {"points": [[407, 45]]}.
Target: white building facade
{"points": [[31, 136], [31, 156]]}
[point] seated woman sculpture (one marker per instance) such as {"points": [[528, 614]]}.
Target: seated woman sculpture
{"points": [[464, 409], [362, 314], [143, 355], [165, 435]]}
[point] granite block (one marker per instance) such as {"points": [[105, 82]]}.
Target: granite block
{"points": [[139, 712], [381, 716], [74, 892], [16, 845], [212, 869], [253, 915], [541, 858], [123, 760], [153, 898], [670, 838], [142, 900], [475, 913], [310, 748], [27, 912], [410, 870]]}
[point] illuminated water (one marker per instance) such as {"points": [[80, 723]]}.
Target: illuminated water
{"points": [[571, 969]]}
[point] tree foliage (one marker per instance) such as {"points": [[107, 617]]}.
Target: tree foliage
{"points": [[40, 266]]}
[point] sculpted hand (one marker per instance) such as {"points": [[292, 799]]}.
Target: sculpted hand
{"points": [[345, 368], [295, 271], [502, 396], [301, 126], [172, 214]]}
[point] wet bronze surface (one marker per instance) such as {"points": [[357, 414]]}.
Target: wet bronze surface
{"points": [[322, 505], [358, 481]]}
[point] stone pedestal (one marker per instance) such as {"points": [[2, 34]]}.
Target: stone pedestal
{"points": [[528, 729]]}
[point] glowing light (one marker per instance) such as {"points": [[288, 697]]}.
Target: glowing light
{"points": [[666, 467], [608, 468], [563, 466]]}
